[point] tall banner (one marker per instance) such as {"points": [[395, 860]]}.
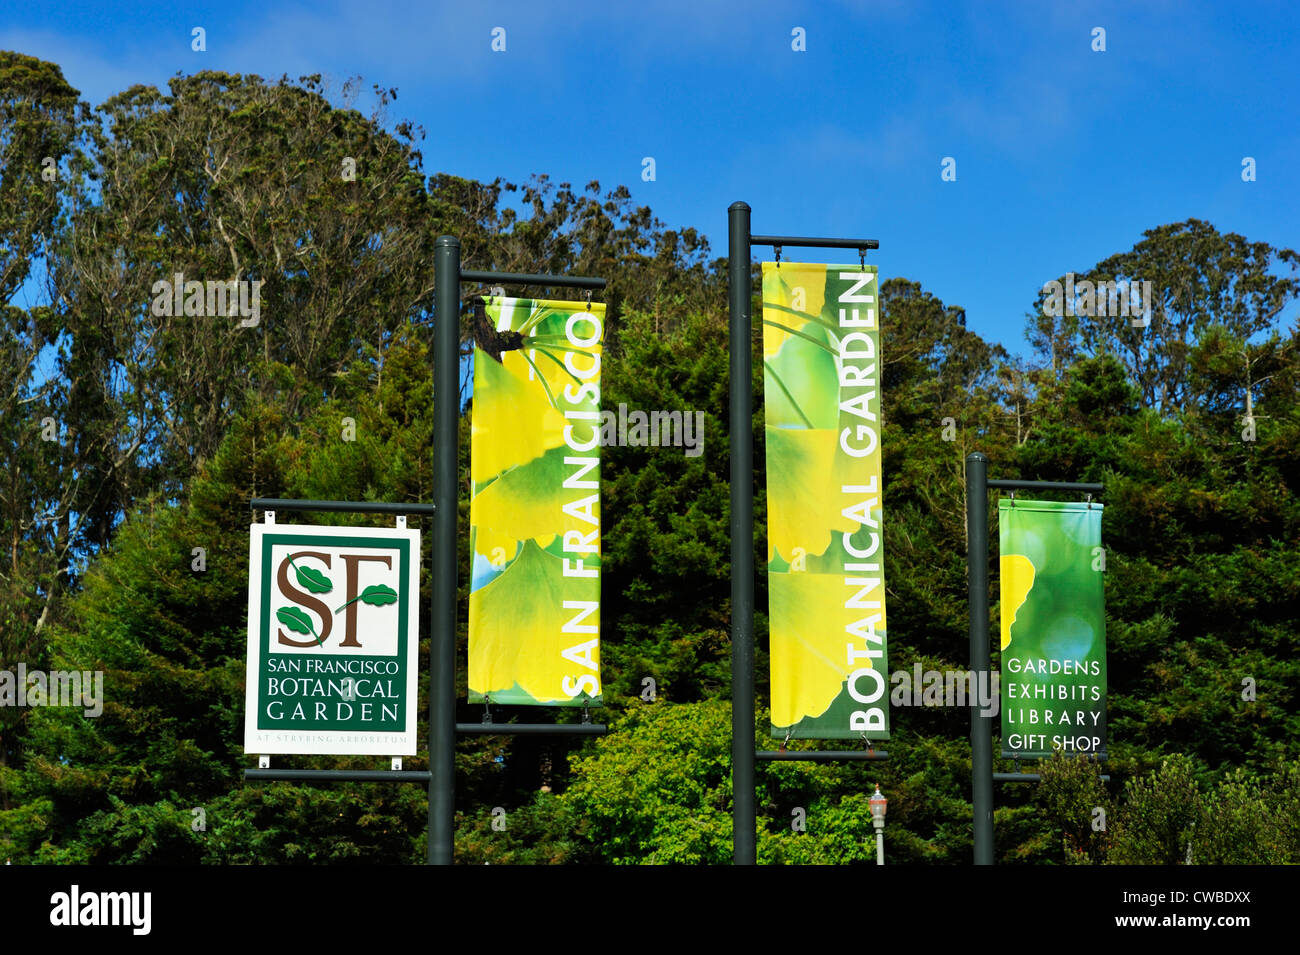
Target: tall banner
{"points": [[333, 637], [1053, 628], [534, 603], [826, 586]]}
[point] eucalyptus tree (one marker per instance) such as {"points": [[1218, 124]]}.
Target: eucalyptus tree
{"points": [[228, 179], [1150, 306], [40, 116]]}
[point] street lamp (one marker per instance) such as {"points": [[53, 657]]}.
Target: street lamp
{"points": [[878, 804]]}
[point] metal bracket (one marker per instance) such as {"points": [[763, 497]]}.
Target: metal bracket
{"points": [[397, 764], [401, 522], [487, 710], [268, 517], [777, 249], [264, 762]]}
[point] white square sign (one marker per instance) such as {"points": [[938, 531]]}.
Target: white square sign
{"points": [[333, 636]]}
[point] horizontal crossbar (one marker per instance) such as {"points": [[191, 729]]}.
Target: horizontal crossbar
{"points": [[532, 729], [820, 755], [1047, 486], [1026, 778], [358, 507], [342, 775], [528, 278], [813, 243]]}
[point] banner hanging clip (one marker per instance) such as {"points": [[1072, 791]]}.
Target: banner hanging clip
{"points": [[589, 300], [586, 712], [862, 256], [1013, 498], [487, 709], [1090, 502], [778, 255]]}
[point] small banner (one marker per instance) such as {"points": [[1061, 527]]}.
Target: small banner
{"points": [[534, 603], [826, 587], [333, 635], [1053, 628]]}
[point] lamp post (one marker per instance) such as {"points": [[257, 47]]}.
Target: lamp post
{"points": [[878, 804]]}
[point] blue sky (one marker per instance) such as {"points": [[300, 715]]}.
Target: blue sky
{"points": [[1063, 155]]}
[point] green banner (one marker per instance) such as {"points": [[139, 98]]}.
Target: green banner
{"points": [[1053, 628], [534, 603], [826, 587]]}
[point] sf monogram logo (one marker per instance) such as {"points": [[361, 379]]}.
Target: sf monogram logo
{"points": [[314, 582]]}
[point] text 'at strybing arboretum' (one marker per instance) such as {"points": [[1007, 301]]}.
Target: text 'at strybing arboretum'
{"points": [[554, 467]]}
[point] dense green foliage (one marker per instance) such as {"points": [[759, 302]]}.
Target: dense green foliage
{"points": [[164, 427]]}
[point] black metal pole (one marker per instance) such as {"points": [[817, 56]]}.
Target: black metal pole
{"points": [[743, 823], [981, 729], [442, 615]]}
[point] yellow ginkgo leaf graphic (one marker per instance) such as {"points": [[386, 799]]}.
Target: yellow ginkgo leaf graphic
{"points": [[793, 295], [520, 621], [531, 501], [809, 650], [506, 403], [1017, 573], [495, 546], [804, 502]]}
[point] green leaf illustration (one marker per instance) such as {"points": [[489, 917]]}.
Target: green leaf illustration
{"points": [[312, 579], [297, 621], [542, 378], [767, 367], [804, 335], [807, 393], [377, 595], [525, 499]]}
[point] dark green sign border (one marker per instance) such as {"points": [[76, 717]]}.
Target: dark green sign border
{"points": [[269, 541]]}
